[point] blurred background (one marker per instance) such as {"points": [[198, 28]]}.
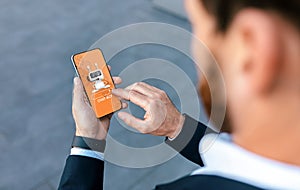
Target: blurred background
{"points": [[37, 41]]}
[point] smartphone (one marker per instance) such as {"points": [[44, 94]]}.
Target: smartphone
{"points": [[92, 69]]}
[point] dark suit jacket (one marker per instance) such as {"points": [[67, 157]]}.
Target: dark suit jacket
{"points": [[87, 173]]}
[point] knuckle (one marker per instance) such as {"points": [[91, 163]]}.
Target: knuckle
{"points": [[131, 92], [137, 84], [134, 86], [151, 101], [162, 93], [159, 96]]}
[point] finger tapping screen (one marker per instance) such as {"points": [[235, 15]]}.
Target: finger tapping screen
{"points": [[97, 81]]}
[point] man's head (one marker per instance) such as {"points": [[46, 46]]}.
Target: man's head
{"points": [[257, 46]]}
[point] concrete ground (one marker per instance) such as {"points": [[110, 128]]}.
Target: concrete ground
{"points": [[37, 40]]}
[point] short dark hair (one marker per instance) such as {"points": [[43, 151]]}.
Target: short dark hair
{"points": [[225, 10]]}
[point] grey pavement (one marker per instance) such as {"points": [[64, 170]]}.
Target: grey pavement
{"points": [[37, 40]]}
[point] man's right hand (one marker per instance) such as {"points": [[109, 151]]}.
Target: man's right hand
{"points": [[161, 117]]}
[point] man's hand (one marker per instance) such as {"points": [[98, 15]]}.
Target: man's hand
{"points": [[161, 117], [87, 124]]}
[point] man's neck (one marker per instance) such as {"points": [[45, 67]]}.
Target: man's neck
{"points": [[272, 130]]}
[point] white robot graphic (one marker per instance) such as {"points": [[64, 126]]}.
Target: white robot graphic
{"points": [[97, 77]]}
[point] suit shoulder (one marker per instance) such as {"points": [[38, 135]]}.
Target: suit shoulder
{"points": [[206, 182]]}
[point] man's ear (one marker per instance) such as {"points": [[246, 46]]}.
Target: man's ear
{"points": [[259, 37]]}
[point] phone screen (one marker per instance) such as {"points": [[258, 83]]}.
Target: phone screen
{"points": [[97, 81]]}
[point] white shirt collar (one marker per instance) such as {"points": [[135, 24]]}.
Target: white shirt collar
{"points": [[225, 159]]}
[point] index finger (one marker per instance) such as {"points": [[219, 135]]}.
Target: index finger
{"points": [[132, 96]]}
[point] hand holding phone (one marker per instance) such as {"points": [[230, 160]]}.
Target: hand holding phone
{"points": [[97, 82]]}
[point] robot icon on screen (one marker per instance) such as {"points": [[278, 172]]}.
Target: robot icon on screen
{"points": [[97, 77]]}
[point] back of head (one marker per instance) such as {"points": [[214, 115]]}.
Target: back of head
{"points": [[224, 11]]}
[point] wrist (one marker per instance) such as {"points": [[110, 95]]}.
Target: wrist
{"points": [[89, 144], [99, 135], [178, 128]]}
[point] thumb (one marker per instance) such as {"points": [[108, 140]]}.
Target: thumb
{"points": [[132, 121]]}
